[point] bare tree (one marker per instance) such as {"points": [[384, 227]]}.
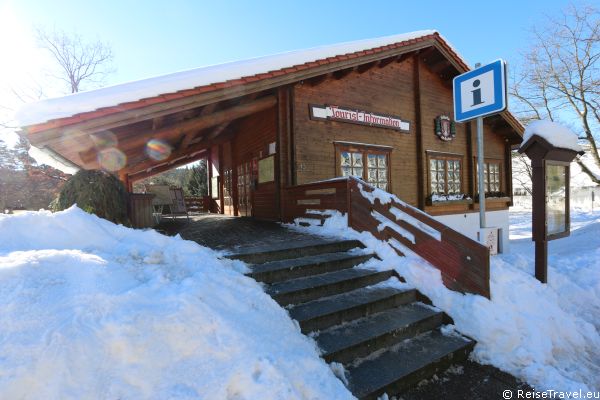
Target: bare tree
{"points": [[560, 77], [522, 172], [80, 62], [81, 65]]}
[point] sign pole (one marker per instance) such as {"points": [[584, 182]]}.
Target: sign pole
{"points": [[541, 260], [479, 93], [480, 172]]}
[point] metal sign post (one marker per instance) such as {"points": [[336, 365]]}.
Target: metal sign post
{"points": [[480, 172], [479, 93]]}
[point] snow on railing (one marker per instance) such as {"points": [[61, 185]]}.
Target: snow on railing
{"points": [[463, 262]]}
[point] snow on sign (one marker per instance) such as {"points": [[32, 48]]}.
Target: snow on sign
{"points": [[480, 92]]}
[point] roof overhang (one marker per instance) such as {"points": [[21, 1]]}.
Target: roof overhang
{"points": [[73, 137]]}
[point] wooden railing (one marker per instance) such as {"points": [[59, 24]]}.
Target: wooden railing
{"points": [[197, 203], [324, 195], [463, 262]]}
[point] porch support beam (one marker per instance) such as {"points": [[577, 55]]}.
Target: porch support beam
{"points": [[190, 127]]}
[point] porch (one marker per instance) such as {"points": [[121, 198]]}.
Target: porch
{"points": [[236, 234]]}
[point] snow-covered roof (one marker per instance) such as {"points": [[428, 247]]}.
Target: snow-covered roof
{"points": [[77, 103], [556, 134]]}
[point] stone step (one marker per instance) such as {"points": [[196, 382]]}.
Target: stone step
{"points": [[302, 221], [313, 219], [277, 271], [316, 215], [301, 290], [359, 338], [302, 248], [333, 310], [405, 364]]}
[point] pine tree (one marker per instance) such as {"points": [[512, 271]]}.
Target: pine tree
{"points": [[195, 183]]}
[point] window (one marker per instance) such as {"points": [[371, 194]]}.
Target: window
{"points": [[491, 176], [445, 173], [369, 164]]}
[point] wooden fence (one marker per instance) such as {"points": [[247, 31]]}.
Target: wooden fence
{"points": [[326, 195], [463, 262]]}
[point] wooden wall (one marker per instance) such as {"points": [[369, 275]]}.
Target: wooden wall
{"points": [[391, 89], [252, 142], [387, 90]]}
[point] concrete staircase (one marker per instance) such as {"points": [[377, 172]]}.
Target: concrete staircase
{"points": [[385, 334]]}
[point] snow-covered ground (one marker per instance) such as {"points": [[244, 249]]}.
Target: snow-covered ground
{"points": [[548, 334], [91, 310]]}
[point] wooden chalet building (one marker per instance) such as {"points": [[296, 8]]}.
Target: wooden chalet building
{"points": [[377, 109]]}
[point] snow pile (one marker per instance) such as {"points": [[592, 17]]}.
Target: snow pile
{"points": [[556, 134], [547, 335], [73, 104], [89, 309]]}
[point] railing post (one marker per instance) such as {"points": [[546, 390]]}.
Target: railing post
{"points": [[349, 201]]}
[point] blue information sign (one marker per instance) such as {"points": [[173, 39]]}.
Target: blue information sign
{"points": [[480, 92]]}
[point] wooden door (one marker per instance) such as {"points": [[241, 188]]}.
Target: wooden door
{"points": [[244, 188], [227, 192]]}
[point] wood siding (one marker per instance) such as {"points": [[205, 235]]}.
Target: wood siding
{"points": [[251, 144], [410, 90], [387, 90]]}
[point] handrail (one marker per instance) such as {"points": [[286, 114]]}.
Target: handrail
{"points": [[324, 195], [463, 262]]}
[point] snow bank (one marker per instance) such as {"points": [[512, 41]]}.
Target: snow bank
{"points": [[73, 104], [547, 335], [556, 134], [89, 309]]}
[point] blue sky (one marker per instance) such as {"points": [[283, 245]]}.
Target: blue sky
{"points": [[156, 37]]}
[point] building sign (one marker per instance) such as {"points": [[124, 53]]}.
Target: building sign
{"points": [[480, 92], [341, 114], [445, 129]]}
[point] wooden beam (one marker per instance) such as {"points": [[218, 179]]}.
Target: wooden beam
{"points": [[439, 66], [190, 126], [405, 56], [224, 134], [421, 170], [426, 54], [203, 122], [218, 136], [386, 61], [149, 163], [218, 130], [165, 167], [342, 73], [158, 122], [188, 138], [316, 81], [448, 73], [361, 69]]}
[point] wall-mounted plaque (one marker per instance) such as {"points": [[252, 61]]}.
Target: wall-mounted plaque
{"points": [[266, 169], [345, 114], [445, 128]]}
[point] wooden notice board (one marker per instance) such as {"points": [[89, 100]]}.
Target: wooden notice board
{"points": [[266, 169]]}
